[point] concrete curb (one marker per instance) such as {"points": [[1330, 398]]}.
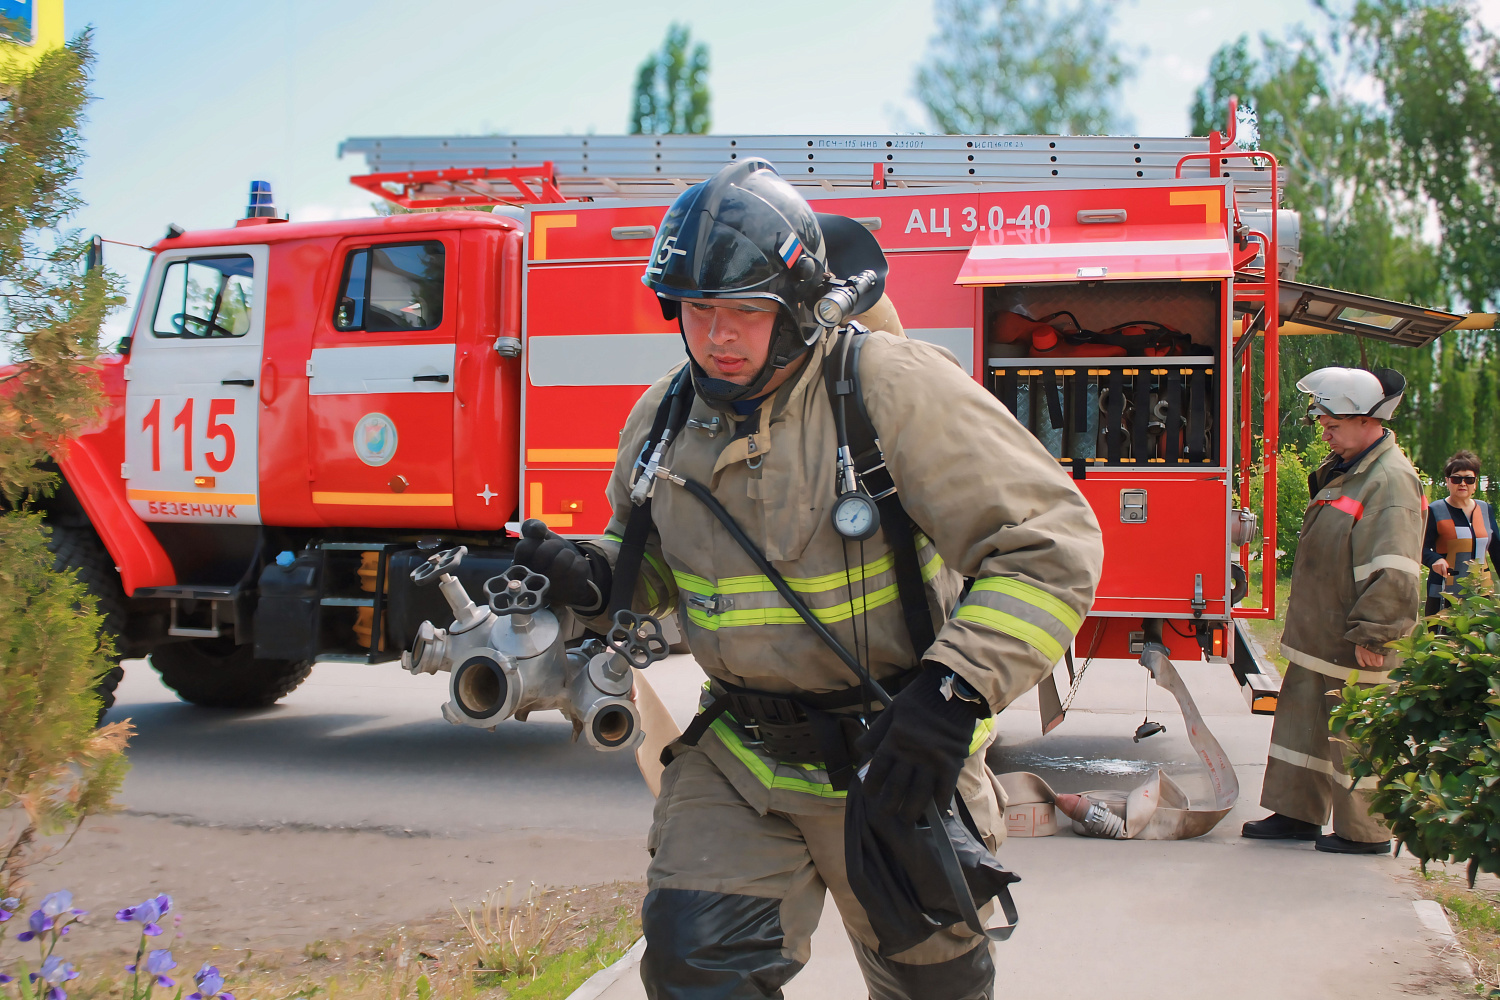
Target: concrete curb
{"points": [[595, 985], [1433, 917]]}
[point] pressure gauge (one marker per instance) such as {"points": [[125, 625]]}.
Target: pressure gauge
{"points": [[855, 516]]}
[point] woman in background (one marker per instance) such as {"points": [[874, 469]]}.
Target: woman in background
{"points": [[1460, 529]]}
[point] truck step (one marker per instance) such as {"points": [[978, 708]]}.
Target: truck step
{"points": [[1259, 681]]}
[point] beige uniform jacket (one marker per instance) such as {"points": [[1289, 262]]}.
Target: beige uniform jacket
{"points": [[1356, 578], [987, 498]]}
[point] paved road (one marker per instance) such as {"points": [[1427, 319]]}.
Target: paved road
{"points": [[312, 790], [363, 748]]}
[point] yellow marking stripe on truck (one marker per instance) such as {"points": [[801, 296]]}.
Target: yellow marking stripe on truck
{"points": [[571, 455], [385, 499], [201, 497]]}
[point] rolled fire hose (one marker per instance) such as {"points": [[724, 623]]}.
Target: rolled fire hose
{"points": [[1157, 809]]}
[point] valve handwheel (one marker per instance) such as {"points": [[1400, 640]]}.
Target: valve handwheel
{"points": [[637, 638], [437, 564], [518, 591]]}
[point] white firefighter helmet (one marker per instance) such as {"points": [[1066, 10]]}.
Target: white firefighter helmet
{"points": [[1353, 392]]}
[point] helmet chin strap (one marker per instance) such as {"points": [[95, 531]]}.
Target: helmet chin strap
{"points": [[787, 346]]}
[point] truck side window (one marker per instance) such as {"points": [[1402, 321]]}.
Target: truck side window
{"points": [[392, 287], [205, 297]]}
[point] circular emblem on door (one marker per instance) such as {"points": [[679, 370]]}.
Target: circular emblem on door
{"points": [[375, 439]]}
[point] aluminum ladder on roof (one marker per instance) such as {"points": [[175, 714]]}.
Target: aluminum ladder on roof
{"points": [[659, 166]]}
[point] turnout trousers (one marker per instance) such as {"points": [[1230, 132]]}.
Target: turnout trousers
{"points": [[735, 894], [1305, 777]]}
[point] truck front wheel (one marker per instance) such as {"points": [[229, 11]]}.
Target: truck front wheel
{"points": [[216, 673]]}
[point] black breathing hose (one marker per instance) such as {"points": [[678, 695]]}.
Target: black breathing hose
{"points": [[706, 498]]}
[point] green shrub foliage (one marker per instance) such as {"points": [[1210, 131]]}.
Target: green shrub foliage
{"points": [[55, 767], [1431, 735]]}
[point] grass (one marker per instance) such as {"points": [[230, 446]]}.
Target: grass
{"points": [[437, 959], [1475, 916], [1267, 631]]}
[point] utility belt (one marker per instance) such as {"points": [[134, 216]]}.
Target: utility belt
{"points": [[806, 729]]}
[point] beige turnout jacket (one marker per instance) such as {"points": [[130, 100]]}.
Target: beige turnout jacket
{"points": [[1356, 578], [988, 500]]}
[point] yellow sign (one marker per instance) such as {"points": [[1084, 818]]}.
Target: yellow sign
{"points": [[31, 28]]}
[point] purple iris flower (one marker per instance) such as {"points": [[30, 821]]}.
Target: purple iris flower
{"points": [[55, 904], [210, 984], [8, 908], [146, 913], [157, 964], [6, 979], [39, 923], [55, 972]]}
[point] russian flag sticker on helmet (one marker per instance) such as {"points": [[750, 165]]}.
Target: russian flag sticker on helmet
{"points": [[790, 250]]}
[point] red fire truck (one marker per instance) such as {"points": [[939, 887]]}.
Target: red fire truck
{"points": [[302, 412]]}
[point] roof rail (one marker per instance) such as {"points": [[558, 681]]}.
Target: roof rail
{"points": [[434, 171]]}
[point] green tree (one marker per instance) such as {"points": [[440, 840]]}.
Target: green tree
{"points": [[1385, 122], [671, 88], [54, 649], [1439, 73], [1022, 67]]}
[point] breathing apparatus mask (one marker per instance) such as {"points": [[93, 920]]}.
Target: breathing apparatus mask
{"points": [[746, 234]]}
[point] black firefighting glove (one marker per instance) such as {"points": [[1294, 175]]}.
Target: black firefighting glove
{"points": [[580, 578], [918, 745]]}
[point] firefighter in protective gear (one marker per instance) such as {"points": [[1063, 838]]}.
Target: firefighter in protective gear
{"points": [[1354, 590], [748, 829]]}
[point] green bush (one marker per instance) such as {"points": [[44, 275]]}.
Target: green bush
{"points": [[1431, 735], [1292, 498]]}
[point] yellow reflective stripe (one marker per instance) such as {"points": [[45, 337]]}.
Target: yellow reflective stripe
{"points": [[763, 772], [614, 537], [1032, 635], [1034, 596], [650, 592], [740, 617], [658, 565], [756, 584]]}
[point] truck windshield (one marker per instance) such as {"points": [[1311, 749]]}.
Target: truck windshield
{"points": [[206, 297], [392, 287]]}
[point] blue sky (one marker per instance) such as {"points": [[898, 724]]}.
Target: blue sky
{"points": [[196, 99]]}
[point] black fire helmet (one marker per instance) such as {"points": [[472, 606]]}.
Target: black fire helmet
{"points": [[745, 233]]}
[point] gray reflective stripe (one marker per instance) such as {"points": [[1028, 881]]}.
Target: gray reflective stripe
{"points": [[613, 358], [1333, 670], [832, 597], [1023, 611], [380, 369], [1298, 759], [1401, 564]]}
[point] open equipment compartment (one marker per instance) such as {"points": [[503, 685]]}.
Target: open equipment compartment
{"points": [[1091, 405], [1141, 429]]}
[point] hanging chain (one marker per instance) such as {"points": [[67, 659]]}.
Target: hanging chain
{"points": [[1078, 677]]}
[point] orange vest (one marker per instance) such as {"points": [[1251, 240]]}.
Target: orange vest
{"points": [[1460, 545]]}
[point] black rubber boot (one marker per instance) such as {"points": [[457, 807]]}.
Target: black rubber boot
{"points": [[1332, 843], [1279, 827], [970, 976]]}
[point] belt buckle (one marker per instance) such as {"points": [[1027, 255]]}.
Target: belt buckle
{"points": [[712, 605]]}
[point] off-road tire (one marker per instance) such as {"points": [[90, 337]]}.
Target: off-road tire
{"points": [[80, 549], [216, 673]]}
